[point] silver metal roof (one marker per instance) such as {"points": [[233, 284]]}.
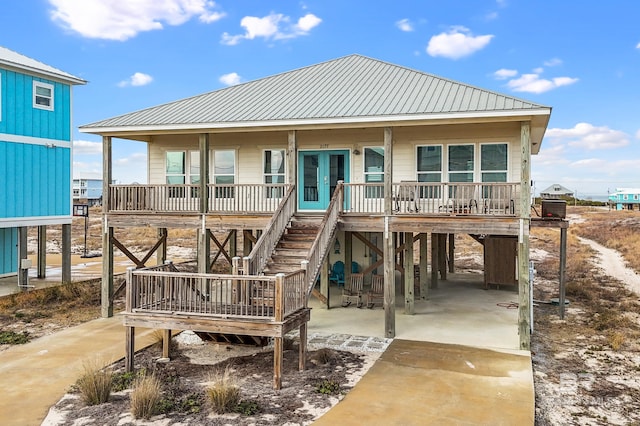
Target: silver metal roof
{"points": [[11, 59], [348, 89]]}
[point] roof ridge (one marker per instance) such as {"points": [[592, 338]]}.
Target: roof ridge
{"points": [[28, 63]]}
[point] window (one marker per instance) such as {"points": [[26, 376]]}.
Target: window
{"points": [[429, 169], [374, 171], [493, 163], [42, 95], [176, 172], [461, 164], [194, 172], [273, 171], [224, 172]]}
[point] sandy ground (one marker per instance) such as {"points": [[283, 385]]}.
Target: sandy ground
{"points": [[613, 264]]}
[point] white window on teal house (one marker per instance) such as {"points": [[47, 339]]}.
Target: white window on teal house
{"points": [[224, 172], [42, 95], [374, 171], [494, 162], [429, 169], [274, 172]]}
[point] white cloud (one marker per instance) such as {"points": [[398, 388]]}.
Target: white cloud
{"points": [[87, 170], [491, 16], [504, 73], [532, 83], [457, 43], [275, 26], [404, 25], [230, 79], [87, 148], [589, 137], [137, 79], [121, 20], [554, 62], [638, 46], [638, 134]]}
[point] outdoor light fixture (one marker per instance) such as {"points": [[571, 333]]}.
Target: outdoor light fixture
{"points": [[336, 247]]}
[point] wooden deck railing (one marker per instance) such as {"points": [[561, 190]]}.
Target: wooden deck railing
{"points": [[225, 199], [325, 235], [423, 198], [267, 242], [273, 298]]}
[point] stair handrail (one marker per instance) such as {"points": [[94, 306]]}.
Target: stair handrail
{"points": [[324, 236], [267, 242]]}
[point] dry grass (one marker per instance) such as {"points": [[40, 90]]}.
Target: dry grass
{"points": [[145, 396], [224, 392], [618, 230], [95, 383]]}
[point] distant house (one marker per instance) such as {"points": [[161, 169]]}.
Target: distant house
{"points": [[87, 191], [556, 192], [35, 159], [625, 198]]}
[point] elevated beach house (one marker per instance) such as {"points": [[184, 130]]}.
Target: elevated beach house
{"points": [[35, 160], [350, 160], [625, 198]]}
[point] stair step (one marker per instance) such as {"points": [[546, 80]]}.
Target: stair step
{"points": [[299, 245]]}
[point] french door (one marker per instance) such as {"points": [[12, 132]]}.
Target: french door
{"points": [[318, 176]]}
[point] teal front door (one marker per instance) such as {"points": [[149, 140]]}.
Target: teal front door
{"points": [[318, 176]]}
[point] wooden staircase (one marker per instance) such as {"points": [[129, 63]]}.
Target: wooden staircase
{"points": [[294, 245]]}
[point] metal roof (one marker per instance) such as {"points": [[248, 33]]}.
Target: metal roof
{"points": [[12, 59], [349, 89], [556, 189]]}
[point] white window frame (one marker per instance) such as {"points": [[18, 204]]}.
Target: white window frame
{"points": [[277, 192], [40, 84], [430, 191], [481, 171], [475, 162], [224, 192], [373, 192]]}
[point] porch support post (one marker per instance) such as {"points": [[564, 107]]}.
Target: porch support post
{"points": [[66, 253], [563, 268], [389, 247], [348, 255], [204, 249], [435, 263], [233, 243], [42, 251], [292, 162], [23, 274], [452, 252], [129, 348], [324, 280], [203, 143], [424, 287], [107, 231], [524, 301], [442, 255], [161, 254], [408, 274]]}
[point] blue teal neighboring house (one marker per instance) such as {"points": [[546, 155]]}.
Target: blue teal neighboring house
{"points": [[35, 155], [625, 198]]}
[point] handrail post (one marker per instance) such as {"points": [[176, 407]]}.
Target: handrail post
{"points": [[245, 266], [128, 290], [304, 265], [279, 297]]}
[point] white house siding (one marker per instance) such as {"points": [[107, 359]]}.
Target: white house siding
{"points": [[250, 146]]}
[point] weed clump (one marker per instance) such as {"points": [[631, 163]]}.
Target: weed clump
{"points": [[223, 393], [145, 397], [95, 383]]}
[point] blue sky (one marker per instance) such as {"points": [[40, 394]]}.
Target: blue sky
{"points": [[580, 58]]}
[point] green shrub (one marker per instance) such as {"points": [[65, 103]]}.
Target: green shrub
{"points": [[248, 408], [328, 387], [13, 338]]}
